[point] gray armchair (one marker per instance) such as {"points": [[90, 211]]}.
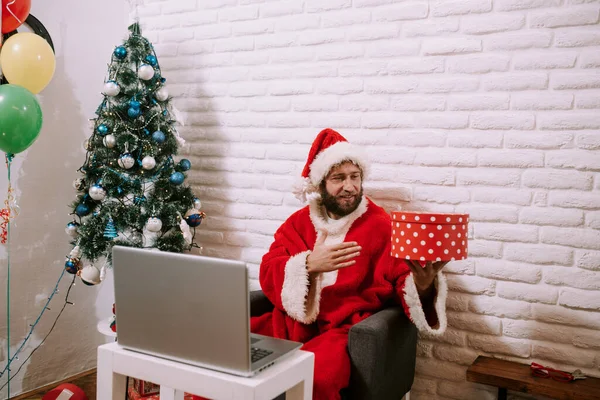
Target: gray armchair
{"points": [[382, 351]]}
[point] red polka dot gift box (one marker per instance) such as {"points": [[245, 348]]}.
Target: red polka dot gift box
{"points": [[428, 236]]}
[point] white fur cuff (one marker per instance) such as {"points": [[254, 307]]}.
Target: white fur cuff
{"points": [[415, 308], [295, 291]]}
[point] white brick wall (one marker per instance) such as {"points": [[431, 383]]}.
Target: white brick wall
{"points": [[483, 106]]}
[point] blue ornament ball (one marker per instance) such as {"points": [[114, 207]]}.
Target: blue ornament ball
{"points": [[102, 129], [176, 178], [133, 112], [151, 59], [134, 104], [72, 266], [82, 210], [163, 80], [185, 164], [194, 220], [146, 132], [120, 52], [158, 136]]}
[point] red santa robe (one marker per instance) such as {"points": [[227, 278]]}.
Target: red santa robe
{"points": [[322, 316]]}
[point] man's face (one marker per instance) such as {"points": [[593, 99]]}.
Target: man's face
{"points": [[342, 192]]}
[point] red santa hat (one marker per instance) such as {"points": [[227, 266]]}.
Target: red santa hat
{"points": [[328, 149]]}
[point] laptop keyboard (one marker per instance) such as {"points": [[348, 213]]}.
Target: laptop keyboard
{"points": [[259, 354]]}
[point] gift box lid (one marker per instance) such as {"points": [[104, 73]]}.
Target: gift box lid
{"points": [[429, 218]]}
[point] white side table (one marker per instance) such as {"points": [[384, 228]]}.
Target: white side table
{"points": [[292, 375]]}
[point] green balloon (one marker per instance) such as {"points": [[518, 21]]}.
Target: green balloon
{"points": [[20, 118]]}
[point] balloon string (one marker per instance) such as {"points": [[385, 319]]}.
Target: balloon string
{"points": [[9, 158], [12, 13]]}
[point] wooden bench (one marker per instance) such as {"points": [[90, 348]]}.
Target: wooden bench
{"points": [[508, 375]]}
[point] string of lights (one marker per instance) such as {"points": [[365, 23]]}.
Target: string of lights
{"points": [[32, 328]]}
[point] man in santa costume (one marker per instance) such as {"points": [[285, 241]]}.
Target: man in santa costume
{"points": [[330, 267]]}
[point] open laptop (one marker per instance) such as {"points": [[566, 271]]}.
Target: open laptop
{"points": [[191, 309]]}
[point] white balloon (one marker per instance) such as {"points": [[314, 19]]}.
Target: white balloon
{"points": [[148, 162], [111, 88], [146, 72], [109, 141], [154, 224], [162, 94]]}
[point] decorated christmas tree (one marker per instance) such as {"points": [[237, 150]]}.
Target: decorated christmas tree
{"points": [[132, 191]]}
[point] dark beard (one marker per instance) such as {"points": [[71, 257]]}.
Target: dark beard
{"points": [[331, 204]]}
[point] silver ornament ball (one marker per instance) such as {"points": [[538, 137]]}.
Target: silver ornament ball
{"points": [[90, 275], [154, 224], [109, 141], [146, 72], [97, 192], [148, 162], [162, 94], [197, 204], [71, 230], [111, 88], [126, 161]]}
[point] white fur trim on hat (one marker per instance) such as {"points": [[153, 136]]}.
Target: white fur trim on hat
{"points": [[333, 155], [305, 191]]}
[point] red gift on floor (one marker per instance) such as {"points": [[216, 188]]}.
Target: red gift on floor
{"points": [[426, 236]]}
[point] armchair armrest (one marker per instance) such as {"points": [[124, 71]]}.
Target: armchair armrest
{"points": [[259, 304], [383, 350]]}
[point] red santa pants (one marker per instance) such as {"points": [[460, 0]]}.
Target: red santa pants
{"points": [[332, 362]]}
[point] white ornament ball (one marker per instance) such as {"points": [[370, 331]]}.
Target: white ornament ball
{"points": [[90, 275], [71, 230], [109, 141], [126, 161], [197, 204], [75, 253], [97, 192], [129, 199], [162, 94], [111, 88], [154, 224], [148, 162], [146, 72], [79, 184]]}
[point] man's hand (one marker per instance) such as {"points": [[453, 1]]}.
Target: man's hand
{"points": [[424, 276], [326, 258]]}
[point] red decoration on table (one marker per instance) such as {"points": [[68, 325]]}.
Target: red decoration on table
{"points": [[561, 376], [113, 322], [425, 236]]}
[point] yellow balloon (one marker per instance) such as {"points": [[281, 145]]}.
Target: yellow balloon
{"points": [[28, 60]]}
